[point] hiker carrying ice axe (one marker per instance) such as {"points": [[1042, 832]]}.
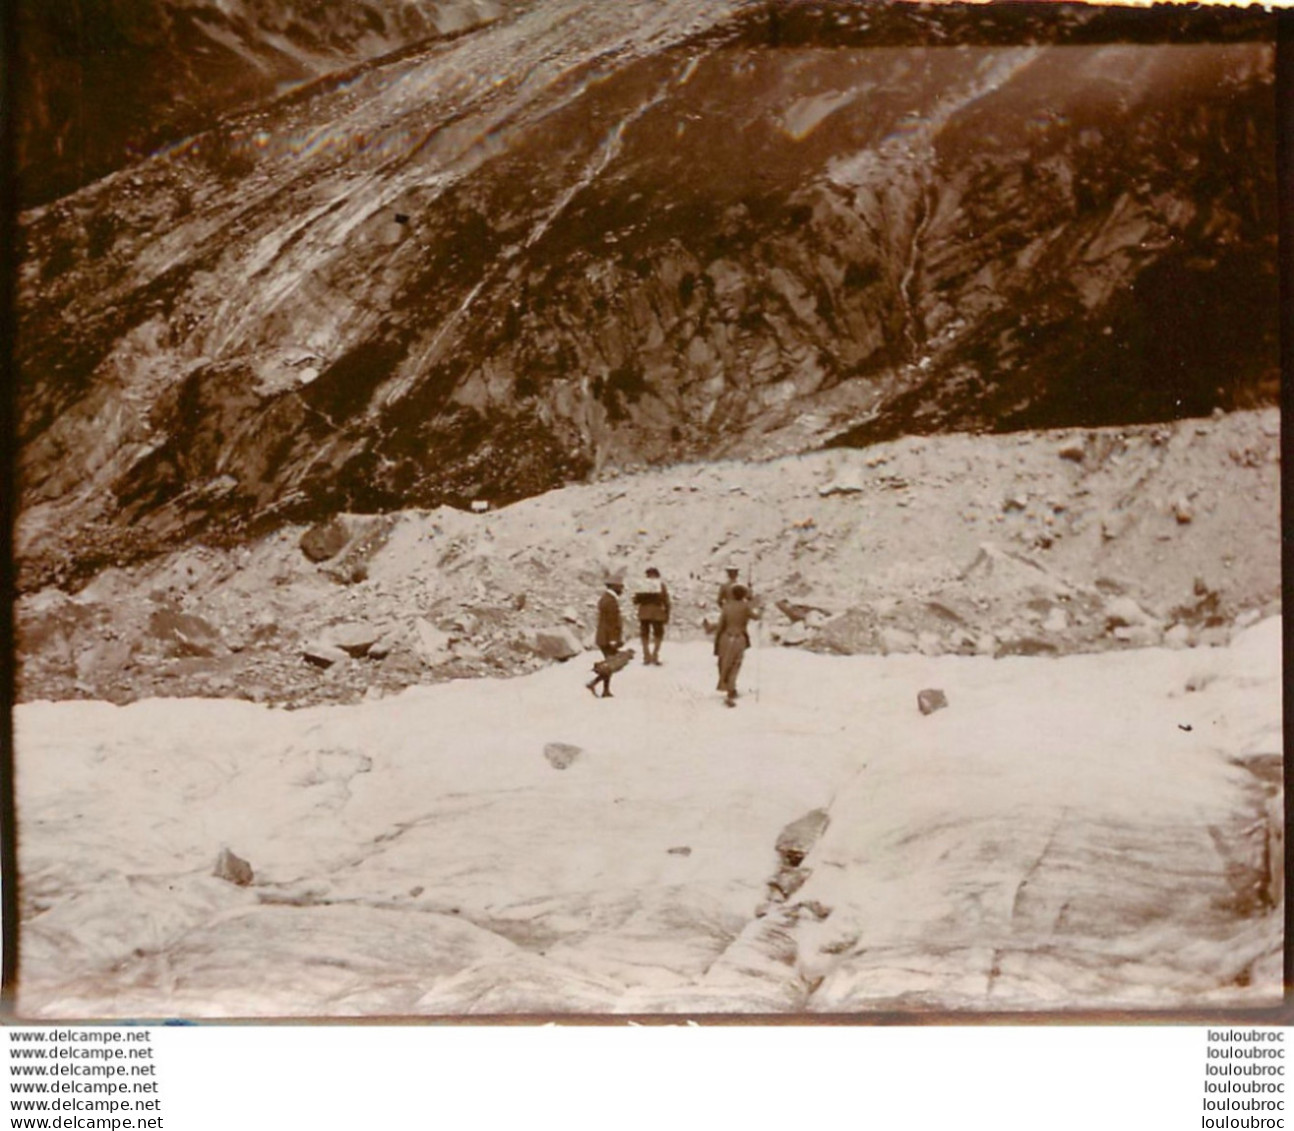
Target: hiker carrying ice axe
{"points": [[610, 637]]}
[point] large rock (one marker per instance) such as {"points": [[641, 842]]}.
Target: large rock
{"points": [[322, 654], [1057, 620], [848, 634], [325, 540], [431, 645], [844, 481], [798, 838], [184, 634], [557, 644], [795, 634], [561, 754], [814, 613], [355, 639], [1125, 612], [1139, 635], [1012, 575], [103, 660], [50, 617], [381, 648], [930, 700], [233, 868], [897, 640]]}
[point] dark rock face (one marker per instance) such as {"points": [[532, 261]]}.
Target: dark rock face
{"points": [[727, 231], [105, 83]]}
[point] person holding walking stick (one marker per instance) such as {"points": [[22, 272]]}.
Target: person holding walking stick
{"points": [[732, 638]]}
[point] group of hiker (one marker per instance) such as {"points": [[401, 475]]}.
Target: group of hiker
{"points": [[651, 600]]}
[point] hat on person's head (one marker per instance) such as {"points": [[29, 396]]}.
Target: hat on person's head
{"points": [[733, 569], [652, 571], [614, 577]]}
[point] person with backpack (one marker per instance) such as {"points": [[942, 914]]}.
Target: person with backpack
{"points": [[652, 602]]}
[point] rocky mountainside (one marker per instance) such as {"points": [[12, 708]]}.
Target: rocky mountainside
{"points": [[590, 237], [104, 84], [1027, 544]]}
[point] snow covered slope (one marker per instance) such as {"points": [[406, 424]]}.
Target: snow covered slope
{"points": [[1087, 832]]}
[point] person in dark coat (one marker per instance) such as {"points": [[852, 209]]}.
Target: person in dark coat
{"points": [[652, 601], [610, 636], [731, 639]]}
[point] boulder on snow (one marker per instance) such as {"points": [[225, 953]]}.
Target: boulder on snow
{"points": [[930, 700], [355, 639], [324, 540], [232, 868], [561, 754], [796, 840], [557, 644]]}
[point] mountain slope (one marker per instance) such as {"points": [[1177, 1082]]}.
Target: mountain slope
{"points": [[595, 236], [104, 84]]}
